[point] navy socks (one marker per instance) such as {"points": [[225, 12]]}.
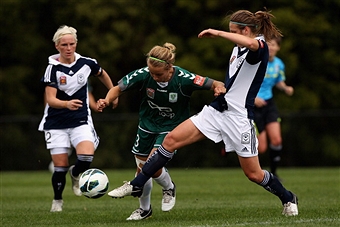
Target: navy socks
{"points": [[157, 161], [58, 181], [272, 184], [83, 163]]}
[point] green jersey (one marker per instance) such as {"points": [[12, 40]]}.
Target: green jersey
{"points": [[164, 105]]}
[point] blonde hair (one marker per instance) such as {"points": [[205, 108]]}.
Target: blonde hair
{"points": [[162, 55], [259, 22], [64, 30]]}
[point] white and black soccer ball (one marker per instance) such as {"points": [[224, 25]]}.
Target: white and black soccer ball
{"points": [[93, 183]]}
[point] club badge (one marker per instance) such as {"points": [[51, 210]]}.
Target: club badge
{"points": [[81, 79], [62, 80], [173, 97]]}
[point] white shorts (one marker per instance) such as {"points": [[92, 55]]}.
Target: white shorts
{"points": [[67, 138], [237, 132]]}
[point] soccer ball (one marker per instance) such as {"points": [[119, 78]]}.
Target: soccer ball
{"points": [[93, 183]]}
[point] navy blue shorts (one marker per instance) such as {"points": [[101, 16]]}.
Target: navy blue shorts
{"points": [[265, 115]]}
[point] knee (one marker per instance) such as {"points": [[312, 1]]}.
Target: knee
{"points": [[255, 177], [276, 141], [169, 142]]}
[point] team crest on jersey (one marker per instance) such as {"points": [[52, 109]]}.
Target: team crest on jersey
{"points": [[150, 93], [62, 80], [199, 80], [81, 78], [173, 97], [245, 138]]}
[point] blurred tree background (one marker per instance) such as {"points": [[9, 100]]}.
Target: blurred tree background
{"points": [[118, 33]]}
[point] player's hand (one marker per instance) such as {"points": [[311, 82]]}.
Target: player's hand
{"points": [[101, 104], [208, 33], [289, 90], [219, 90], [74, 104], [260, 102]]}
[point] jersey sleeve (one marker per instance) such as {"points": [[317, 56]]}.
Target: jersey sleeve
{"points": [[254, 57], [49, 78], [134, 79], [192, 81], [95, 67], [281, 71]]}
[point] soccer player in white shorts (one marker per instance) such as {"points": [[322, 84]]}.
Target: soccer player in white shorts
{"points": [[67, 121], [230, 116]]}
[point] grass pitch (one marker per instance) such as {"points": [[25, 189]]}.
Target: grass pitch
{"points": [[205, 198]]}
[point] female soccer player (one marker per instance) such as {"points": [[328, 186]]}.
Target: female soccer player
{"points": [[67, 120], [267, 118], [166, 90], [230, 116]]}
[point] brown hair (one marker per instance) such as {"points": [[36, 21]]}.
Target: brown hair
{"points": [[259, 22], [162, 55]]}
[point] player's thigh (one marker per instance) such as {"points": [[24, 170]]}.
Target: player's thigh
{"points": [[85, 147], [184, 134], [262, 140], [273, 130]]}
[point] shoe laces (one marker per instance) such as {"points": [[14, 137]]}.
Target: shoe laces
{"points": [[167, 195], [125, 186]]}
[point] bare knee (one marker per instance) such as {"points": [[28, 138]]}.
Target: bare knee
{"points": [[277, 141], [255, 177], [169, 142]]}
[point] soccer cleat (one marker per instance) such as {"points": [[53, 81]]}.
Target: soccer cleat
{"points": [[140, 214], [290, 208], [169, 198], [57, 205], [75, 182], [125, 190]]}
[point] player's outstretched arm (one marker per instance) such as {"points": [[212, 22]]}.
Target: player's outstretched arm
{"points": [[111, 97]]}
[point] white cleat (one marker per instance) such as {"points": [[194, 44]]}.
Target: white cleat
{"points": [[125, 190], [57, 205], [140, 214], [169, 198], [75, 182], [291, 208]]}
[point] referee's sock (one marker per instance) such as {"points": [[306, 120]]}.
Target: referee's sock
{"points": [[275, 157], [157, 161]]}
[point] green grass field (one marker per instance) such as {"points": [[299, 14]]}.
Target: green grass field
{"points": [[205, 198]]}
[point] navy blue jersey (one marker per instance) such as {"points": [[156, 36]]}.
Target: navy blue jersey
{"points": [[70, 80], [245, 72]]}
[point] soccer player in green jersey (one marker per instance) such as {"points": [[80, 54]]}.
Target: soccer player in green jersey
{"points": [[166, 90]]}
